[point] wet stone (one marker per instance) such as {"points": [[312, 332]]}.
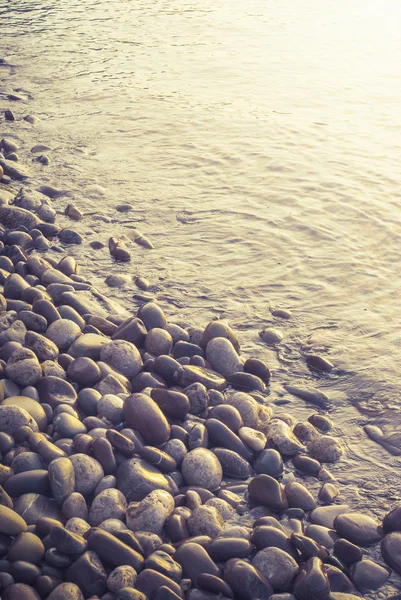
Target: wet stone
{"points": [[88, 573], [194, 561], [358, 528], [325, 515], [368, 575], [234, 466], [391, 550], [246, 581], [163, 563], [143, 414], [326, 449], [347, 552], [266, 491], [312, 582], [277, 566]]}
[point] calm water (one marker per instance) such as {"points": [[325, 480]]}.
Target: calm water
{"points": [[259, 143]]}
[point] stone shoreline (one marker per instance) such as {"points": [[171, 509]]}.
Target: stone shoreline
{"points": [[143, 459]]}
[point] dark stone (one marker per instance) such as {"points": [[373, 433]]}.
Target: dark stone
{"points": [[245, 581], [257, 367], [194, 561], [143, 414], [222, 436], [347, 552], [55, 391], [24, 572], [20, 591], [266, 491], [88, 573], [214, 584], [66, 541], [312, 582], [28, 482], [265, 536], [392, 520], [136, 478], [66, 591], [228, 415], [391, 550], [27, 547], [112, 550], [233, 465], [33, 506], [163, 563], [222, 549], [173, 404], [246, 382], [358, 528]]}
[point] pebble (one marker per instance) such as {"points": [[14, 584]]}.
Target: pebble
{"points": [[326, 449], [88, 472], [136, 478], [145, 416], [277, 566], [391, 550], [202, 468], [358, 528], [368, 575], [266, 491], [151, 513]]}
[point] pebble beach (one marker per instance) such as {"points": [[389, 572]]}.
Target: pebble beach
{"points": [[144, 457]]}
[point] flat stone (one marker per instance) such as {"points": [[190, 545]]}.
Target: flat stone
{"points": [[325, 515], [358, 528], [89, 344], [368, 575]]}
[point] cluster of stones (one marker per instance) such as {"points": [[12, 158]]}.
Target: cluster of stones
{"points": [[141, 460]]}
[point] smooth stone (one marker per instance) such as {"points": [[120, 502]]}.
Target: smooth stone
{"points": [[11, 523], [312, 582], [257, 367], [277, 566], [88, 573], [31, 507], [392, 520], [358, 528], [63, 333], [88, 344], [149, 580], [43, 348], [256, 440], [88, 473], [269, 462], [151, 513], [188, 374], [28, 482], [368, 575], [12, 418], [55, 391], [322, 535], [327, 493], [20, 591], [61, 479], [298, 496], [123, 356], [234, 466], [222, 549], [158, 341], [162, 562], [66, 541], [205, 520], [173, 404], [280, 433], [245, 581], [319, 363], [266, 491], [23, 367], [246, 382], [108, 504], [222, 436], [136, 478], [194, 561], [66, 591], [347, 552], [202, 468], [228, 415], [84, 371], [391, 550], [68, 426], [110, 407], [214, 584], [218, 329], [129, 593], [326, 449], [223, 357], [309, 394], [266, 536], [325, 515], [144, 415]]}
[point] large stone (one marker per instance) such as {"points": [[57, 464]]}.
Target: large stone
{"points": [[143, 414], [11, 523], [391, 550], [266, 491], [245, 581], [89, 344], [63, 333], [88, 573], [358, 528], [66, 591], [326, 449]]}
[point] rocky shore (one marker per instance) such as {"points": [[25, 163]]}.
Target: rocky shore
{"points": [[144, 459]]}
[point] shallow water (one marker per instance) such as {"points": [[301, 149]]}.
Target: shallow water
{"points": [[259, 143]]}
